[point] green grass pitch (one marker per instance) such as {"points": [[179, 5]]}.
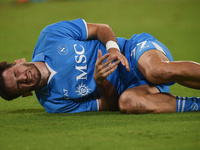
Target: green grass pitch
{"points": [[24, 124]]}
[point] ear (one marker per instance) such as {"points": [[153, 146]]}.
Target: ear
{"points": [[23, 60], [27, 94]]}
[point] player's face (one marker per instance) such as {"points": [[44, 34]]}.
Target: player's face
{"points": [[21, 78]]}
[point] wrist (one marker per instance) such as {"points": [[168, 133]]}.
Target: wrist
{"points": [[112, 44], [101, 83]]}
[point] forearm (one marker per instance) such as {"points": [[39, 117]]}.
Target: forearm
{"points": [[109, 97], [102, 32]]}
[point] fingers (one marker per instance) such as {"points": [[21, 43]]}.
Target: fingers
{"points": [[126, 64], [101, 58], [124, 61], [110, 69], [23, 60], [109, 61], [104, 69], [107, 64], [99, 54], [121, 57]]}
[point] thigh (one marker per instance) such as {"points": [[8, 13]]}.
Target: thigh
{"points": [[156, 67], [151, 59], [148, 58], [146, 99]]}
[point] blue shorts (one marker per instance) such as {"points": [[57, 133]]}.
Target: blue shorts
{"points": [[135, 47]]}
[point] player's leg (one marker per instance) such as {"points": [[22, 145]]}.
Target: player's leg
{"points": [[148, 99], [156, 68]]}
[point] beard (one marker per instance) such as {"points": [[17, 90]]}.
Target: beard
{"points": [[37, 75], [34, 79]]}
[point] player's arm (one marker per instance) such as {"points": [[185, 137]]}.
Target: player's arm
{"points": [[109, 95], [106, 36]]}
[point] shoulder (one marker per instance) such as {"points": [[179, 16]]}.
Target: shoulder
{"points": [[65, 24]]}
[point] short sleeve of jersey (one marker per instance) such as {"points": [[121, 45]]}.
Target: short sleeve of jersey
{"points": [[77, 29]]}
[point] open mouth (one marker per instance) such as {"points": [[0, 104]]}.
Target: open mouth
{"points": [[30, 78]]}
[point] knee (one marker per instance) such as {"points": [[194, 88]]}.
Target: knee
{"points": [[159, 73], [124, 102], [154, 74], [131, 104]]}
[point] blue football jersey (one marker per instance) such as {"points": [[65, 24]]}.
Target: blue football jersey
{"points": [[71, 58]]}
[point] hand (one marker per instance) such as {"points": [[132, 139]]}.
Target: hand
{"points": [[115, 52], [23, 60], [103, 70]]}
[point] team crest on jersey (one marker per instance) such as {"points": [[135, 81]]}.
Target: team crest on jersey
{"points": [[194, 107], [82, 90], [62, 49]]}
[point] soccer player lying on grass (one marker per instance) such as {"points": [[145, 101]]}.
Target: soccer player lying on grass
{"points": [[78, 66]]}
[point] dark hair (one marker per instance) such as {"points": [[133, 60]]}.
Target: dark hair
{"points": [[3, 92]]}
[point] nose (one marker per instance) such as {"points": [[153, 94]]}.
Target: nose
{"points": [[22, 78]]}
